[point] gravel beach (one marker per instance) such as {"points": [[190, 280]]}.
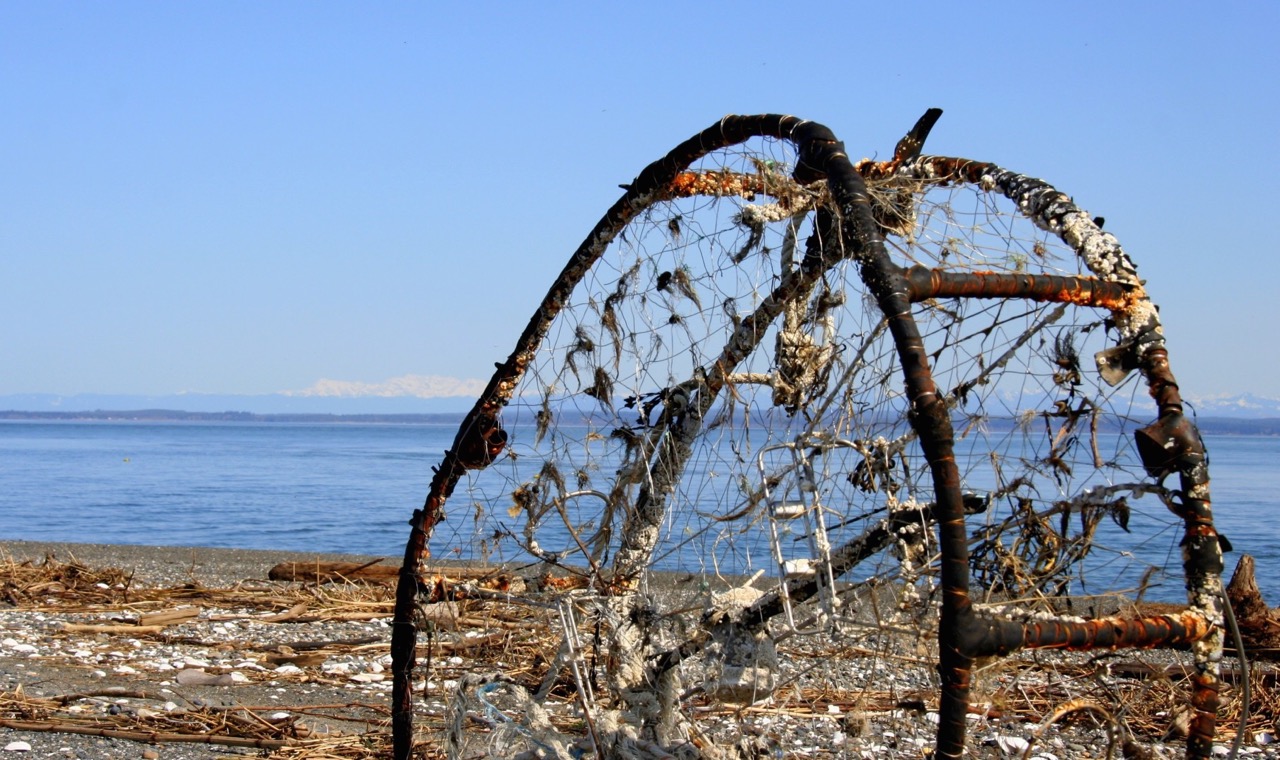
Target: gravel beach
{"points": [[40, 660], [314, 669]]}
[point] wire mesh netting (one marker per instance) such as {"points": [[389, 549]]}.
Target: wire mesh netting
{"points": [[1043, 444], [719, 395]]}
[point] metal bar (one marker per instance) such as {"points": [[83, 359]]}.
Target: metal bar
{"points": [[926, 283]]}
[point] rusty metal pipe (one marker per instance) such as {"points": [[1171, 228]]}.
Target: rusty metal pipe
{"points": [[928, 283]]}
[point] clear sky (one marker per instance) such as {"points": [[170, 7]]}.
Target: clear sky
{"points": [[246, 197]]}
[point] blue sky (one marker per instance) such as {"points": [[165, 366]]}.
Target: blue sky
{"points": [[249, 197]]}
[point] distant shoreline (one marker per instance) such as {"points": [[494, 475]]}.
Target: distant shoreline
{"points": [[173, 415], [1268, 426]]}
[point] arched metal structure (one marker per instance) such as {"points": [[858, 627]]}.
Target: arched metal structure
{"points": [[906, 337]]}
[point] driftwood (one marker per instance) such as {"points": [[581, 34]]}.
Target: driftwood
{"points": [[170, 617], [437, 583], [1259, 624], [328, 572], [135, 630]]}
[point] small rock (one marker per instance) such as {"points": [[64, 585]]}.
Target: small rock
{"points": [[17, 747], [193, 677], [150, 754]]}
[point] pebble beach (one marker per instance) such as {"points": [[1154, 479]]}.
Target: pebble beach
{"points": [[323, 674]]}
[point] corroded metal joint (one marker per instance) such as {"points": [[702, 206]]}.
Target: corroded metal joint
{"points": [[481, 443], [1170, 444]]}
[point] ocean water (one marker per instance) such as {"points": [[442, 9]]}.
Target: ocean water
{"points": [[352, 488]]}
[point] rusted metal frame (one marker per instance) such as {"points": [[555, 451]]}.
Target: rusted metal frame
{"points": [[480, 437], [1171, 443], [716, 183], [1053, 211], [991, 635], [928, 283], [929, 415]]}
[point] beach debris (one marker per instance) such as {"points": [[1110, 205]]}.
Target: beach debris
{"points": [[168, 617], [1259, 624], [741, 660], [878, 696]]}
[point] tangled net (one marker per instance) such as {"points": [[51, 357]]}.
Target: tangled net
{"points": [[905, 391]]}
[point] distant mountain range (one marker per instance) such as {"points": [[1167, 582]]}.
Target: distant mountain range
{"points": [[274, 403], [1240, 407]]}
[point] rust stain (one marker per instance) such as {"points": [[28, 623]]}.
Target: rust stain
{"points": [[1116, 633], [720, 183]]}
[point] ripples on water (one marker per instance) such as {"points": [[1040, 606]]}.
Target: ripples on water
{"points": [[352, 487]]}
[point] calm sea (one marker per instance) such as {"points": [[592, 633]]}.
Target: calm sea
{"points": [[352, 487]]}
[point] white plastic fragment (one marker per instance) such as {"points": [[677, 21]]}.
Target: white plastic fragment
{"points": [[1013, 746], [17, 747]]}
